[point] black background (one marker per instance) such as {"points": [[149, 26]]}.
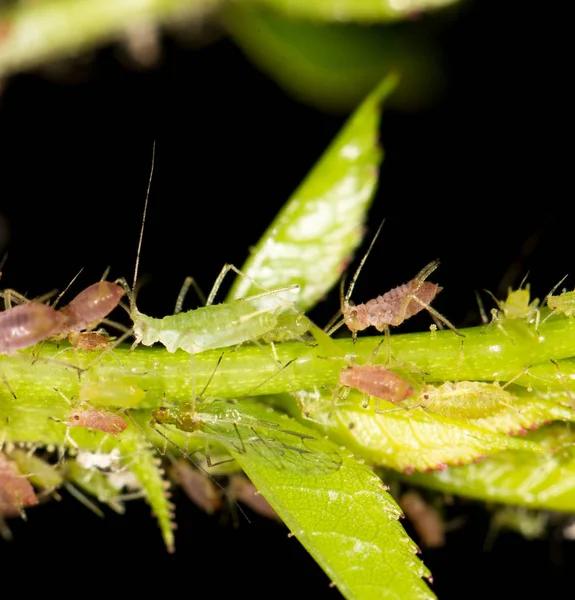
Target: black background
{"points": [[479, 180]]}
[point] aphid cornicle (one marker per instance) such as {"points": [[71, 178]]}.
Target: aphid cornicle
{"points": [[28, 324]]}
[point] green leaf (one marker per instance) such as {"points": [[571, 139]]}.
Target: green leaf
{"points": [[338, 509], [545, 481], [403, 439], [335, 66], [368, 11], [314, 234]]}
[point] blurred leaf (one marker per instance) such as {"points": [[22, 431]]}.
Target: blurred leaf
{"points": [[545, 481], [333, 66], [314, 234], [368, 11], [338, 509]]}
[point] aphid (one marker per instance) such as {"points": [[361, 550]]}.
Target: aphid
{"points": [[91, 306], [100, 419], [27, 325], [89, 341], [215, 325], [466, 399], [242, 489], [395, 306], [199, 488], [377, 381], [16, 491], [424, 518], [219, 420], [517, 306]]}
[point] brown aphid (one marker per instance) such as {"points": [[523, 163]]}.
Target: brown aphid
{"points": [[91, 306], [102, 420], [377, 381], [199, 488], [393, 307], [424, 518], [28, 324], [15, 489], [90, 341], [242, 489]]}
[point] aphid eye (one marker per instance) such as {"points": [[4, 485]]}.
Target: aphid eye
{"points": [[76, 417], [426, 396]]}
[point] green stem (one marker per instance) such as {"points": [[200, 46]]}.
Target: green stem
{"points": [[147, 377]]}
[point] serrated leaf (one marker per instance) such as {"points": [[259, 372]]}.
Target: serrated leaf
{"points": [[369, 11], [405, 439], [343, 516], [320, 226], [545, 481], [136, 450], [334, 67]]}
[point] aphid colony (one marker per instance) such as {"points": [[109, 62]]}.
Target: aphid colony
{"points": [[266, 317]]}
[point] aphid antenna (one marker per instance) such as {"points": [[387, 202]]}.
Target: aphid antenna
{"points": [[481, 307], [353, 281], [137, 265], [67, 288], [189, 282], [345, 299]]}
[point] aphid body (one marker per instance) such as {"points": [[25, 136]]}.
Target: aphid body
{"points": [[217, 326], [91, 306], [393, 307], [28, 324], [564, 303], [377, 381], [465, 399], [102, 420]]}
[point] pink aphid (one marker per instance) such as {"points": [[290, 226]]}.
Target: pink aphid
{"points": [[425, 519], [92, 305], [242, 489], [377, 381], [395, 306], [15, 490], [199, 488], [102, 420], [28, 324], [89, 341]]}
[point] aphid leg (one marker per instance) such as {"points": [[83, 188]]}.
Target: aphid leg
{"points": [[188, 282], [562, 378], [76, 493], [553, 311], [437, 314], [7, 384]]}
